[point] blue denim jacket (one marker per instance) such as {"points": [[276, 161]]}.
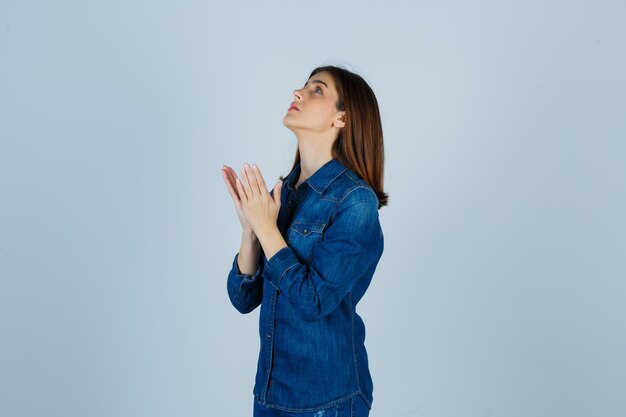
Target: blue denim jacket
{"points": [[312, 352]]}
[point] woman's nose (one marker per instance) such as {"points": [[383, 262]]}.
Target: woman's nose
{"points": [[296, 93]]}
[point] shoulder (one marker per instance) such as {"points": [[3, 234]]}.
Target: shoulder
{"points": [[355, 189], [352, 193]]}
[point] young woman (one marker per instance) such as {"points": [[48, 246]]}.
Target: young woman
{"points": [[309, 250]]}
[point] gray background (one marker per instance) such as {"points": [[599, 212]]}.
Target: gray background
{"points": [[501, 289]]}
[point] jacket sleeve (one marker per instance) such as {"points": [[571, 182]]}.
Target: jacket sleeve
{"points": [[349, 251], [245, 291]]}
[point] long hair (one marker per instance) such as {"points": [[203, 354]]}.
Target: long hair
{"points": [[359, 144]]}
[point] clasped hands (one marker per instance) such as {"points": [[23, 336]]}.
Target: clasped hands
{"points": [[256, 208]]}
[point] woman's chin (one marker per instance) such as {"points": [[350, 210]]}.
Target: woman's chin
{"points": [[288, 124]]}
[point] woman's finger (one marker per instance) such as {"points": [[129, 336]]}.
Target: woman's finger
{"points": [[246, 184], [261, 182], [242, 193], [230, 185], [232, 178], [253, 180]]}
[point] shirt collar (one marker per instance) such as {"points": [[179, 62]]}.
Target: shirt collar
{"points": [[321, 179]]}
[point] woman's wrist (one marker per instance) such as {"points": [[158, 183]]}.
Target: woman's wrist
{"points": [[248, 258], [249, 236]]}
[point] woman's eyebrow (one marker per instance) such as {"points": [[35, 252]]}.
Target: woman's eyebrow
{"points": [[316, 82]]}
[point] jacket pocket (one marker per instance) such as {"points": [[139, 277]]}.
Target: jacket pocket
{"points": [[303, 235], [306, 227]]}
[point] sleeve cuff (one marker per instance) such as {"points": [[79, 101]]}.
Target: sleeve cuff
{"points": [[277, 266], [244, 277]]}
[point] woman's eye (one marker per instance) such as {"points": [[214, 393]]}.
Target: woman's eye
{"points": [[318, 88]]}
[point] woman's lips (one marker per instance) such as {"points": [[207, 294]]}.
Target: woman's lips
{"points": [[293, 108]]}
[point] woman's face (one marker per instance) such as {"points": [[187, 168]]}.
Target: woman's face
{"points": [[315, 104]]}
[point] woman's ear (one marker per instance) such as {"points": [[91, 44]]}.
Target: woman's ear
{"points": [[340, 121]]}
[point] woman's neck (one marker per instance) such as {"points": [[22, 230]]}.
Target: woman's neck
{"points": [[311, 161]]}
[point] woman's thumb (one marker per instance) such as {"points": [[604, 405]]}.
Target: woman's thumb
{"points": [[277, 189]]}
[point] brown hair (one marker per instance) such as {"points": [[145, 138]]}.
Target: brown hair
{"points": [[359, 144]]}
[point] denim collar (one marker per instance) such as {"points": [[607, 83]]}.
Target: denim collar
{"points": [[321, 179]]}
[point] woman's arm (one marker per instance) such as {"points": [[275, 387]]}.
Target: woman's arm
{"points": [[349, 252], [248, 257], [245, 282], [245, 290], [245, 285]]}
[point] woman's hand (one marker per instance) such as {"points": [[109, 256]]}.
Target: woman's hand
{"points": [[259, 207], [230, 178]]}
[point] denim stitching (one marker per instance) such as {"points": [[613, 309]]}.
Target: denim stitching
{"points": [[356, 366], [283, 274], [308, 410]]}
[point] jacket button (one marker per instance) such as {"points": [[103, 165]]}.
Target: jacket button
{"points": [[306, 230], [269, 336]]}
